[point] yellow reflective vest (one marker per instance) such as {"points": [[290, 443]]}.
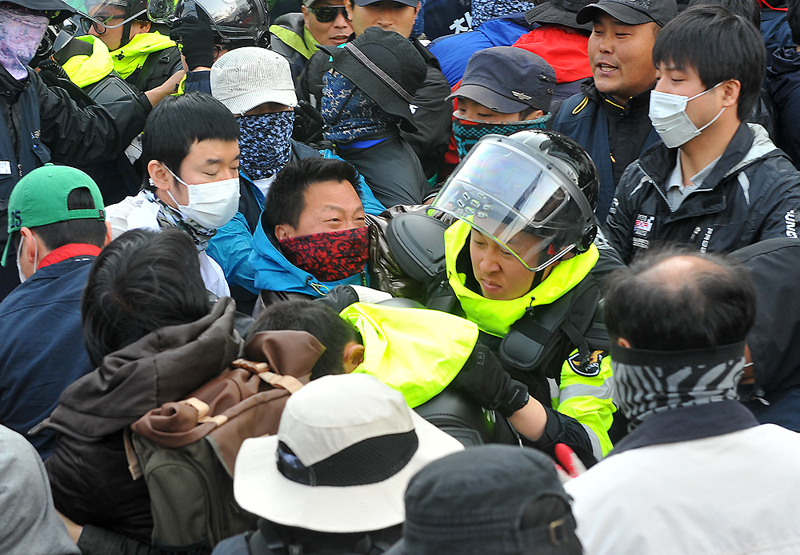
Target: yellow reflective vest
{"points": [[581, 393], [416, 351]]}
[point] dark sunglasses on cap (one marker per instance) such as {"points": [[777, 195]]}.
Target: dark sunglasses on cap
{"points": [[326, 14]]}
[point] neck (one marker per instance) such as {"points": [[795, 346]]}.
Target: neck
{"points": [[708, 146]]}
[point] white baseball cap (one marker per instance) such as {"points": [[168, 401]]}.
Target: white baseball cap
{"points": [[248, 77], [345, 451]]}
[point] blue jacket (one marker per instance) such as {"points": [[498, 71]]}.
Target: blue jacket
{"points": [[783, 86], [454, 51], [274, 273], [775, 30], [584, 120], [233, 243], [42, 351]]}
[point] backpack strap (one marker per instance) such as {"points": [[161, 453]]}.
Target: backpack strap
{"points": [[289, 383], [202, 409], [130, 455]]}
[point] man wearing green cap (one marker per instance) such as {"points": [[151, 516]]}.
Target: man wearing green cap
{"points": [[57, 226]]}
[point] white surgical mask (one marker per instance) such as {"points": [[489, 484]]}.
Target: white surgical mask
{"points": [[669, 118], [22, 277], [211, 205]]}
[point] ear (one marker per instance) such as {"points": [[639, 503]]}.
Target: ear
{"points": [[144, 26], [160, 175], [730, 92], [284, 231], [418, 8], [109, 235], [305, 15], [536, 114], [348, 7], [29, 245], [353, 356], [622, 342]]}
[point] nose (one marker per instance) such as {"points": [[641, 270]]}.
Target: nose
{"points": [[488, 264], [340, 22], [606, 43]]}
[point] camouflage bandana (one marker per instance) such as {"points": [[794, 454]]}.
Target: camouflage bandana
{"points": [[468, 132], [350, 114], [169, 217], [264, 143]]}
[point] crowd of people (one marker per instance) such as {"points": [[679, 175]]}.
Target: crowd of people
{"points": [[319, 277]]}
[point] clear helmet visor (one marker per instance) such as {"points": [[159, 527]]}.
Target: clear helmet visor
{"points": [[231, 19], [108, 14], [515, 199]]}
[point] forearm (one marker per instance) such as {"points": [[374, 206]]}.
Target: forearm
{"points": [[530, 420]]}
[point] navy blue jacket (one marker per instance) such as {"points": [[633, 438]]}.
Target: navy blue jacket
{"points": [[42, 351], [783, 86], [583, 119]]}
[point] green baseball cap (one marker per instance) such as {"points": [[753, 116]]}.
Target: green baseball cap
{"points": [[40, 198]]}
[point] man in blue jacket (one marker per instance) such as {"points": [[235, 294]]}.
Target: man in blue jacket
{"points": [[57, 226], [608, 117]]}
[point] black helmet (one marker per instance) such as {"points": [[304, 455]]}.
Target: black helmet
{"points": [[538, 183], [233, 21]]}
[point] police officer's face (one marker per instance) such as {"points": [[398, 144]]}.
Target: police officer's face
{"points": [[112, 36], [501, 276]]}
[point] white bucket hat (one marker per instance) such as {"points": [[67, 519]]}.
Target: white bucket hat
{"points": [[346, 448], [248, 77]]}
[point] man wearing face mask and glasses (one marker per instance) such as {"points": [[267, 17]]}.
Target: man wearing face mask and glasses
{"points": [[714, 182], [191, 151]]}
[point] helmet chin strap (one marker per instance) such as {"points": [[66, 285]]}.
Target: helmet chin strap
{"points": [[126, 33]]}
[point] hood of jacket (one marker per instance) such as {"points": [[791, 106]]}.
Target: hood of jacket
{"points": [[162, 366], [783, 76], [275, 273], [750, 143]]}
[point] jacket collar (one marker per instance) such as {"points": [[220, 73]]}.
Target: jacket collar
{"points": [[687, 424], [749, 143], [589, 89]]}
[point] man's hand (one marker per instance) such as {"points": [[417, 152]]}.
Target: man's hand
{"points": [[484, 379], [197, 42]]}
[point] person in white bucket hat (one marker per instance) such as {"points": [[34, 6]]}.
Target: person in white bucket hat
{"points": [[334, 476]]}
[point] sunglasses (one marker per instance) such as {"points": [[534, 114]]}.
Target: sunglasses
{"points": [[326, 14]]}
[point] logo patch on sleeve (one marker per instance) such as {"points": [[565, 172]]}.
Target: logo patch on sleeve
{"points": [[591, 368]]}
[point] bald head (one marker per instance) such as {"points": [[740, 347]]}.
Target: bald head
{"points": [[674, 300]]}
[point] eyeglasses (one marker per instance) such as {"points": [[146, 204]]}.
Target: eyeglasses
{"points": [[100, 22], [326, 14]]}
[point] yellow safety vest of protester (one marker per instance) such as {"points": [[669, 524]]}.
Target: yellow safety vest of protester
{"points": [[416, 351]]}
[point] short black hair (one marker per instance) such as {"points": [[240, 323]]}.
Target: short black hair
{"points": [[84, 230], [793, 19], [719, 46], [142, 281], [317, 319], [748, 9], [286, 196], [713, 304], [177, 122]]}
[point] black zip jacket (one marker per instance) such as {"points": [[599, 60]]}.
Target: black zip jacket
{"points": [[752, 194]]}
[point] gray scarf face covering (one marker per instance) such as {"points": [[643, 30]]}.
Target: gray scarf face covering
{"points": [[649, 382]]}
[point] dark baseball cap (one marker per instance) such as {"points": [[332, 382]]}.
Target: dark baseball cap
{"points": [[497, 500], [362, 3], [632, 12], [559, 12], [508, 80]]}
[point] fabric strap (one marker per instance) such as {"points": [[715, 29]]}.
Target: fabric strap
{"points": [[379, 72]]}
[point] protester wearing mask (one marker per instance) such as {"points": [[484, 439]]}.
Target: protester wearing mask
{"points": [[191, 152], [313, 233], [714, 182], [41, 123], [504, 90], [366, 102], [256, 86]]}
